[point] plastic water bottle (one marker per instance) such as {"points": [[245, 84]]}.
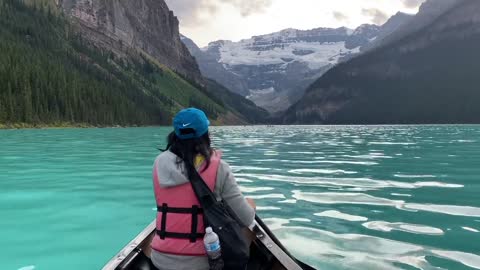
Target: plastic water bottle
{"points": [[212, 244], [214, 250]]}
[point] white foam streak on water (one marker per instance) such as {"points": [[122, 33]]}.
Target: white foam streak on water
{"points": [[470, 229], [301, 219], [391, 143], [271, 153], [248, 168], [370, 156], [267, 208], [413, 176], [404, 227], [344, 198], [366, 163], [267, 196], [29, 267], [340, 215], [400, 195], [454, 210], [254, 189], [320, 171], [467, 259], [437, 184], [464, 141], [302, 153]]}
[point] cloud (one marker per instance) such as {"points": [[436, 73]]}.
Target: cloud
{"points": [[377, 16], [188, 11], [340, 16], [412, 3], [249, 7], [192, 12]]}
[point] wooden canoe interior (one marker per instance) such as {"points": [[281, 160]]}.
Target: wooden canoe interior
{"points": [[260, 258]]}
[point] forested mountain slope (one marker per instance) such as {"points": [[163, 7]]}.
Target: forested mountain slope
{"points": [[51, 74]]}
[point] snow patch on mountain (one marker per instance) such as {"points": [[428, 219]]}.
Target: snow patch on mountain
{"points": [[318, 54], [261, 92]]}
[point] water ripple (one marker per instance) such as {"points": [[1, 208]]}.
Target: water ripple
{"points": [[404, 227], [470, 229], [340, 215]]}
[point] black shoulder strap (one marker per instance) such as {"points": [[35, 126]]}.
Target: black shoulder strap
{"points": [[206, 197]]}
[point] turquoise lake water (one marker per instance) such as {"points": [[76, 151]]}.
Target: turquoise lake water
{"points": [[382, 197]]}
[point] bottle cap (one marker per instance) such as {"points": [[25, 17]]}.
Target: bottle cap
{"points": [[208, 230]]}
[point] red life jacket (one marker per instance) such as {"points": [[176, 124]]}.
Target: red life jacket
{"points": [[180, 227]]}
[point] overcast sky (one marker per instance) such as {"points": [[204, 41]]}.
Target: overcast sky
{"points": [[209, 20]]}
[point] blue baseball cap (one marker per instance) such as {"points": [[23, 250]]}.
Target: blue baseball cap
{"points": [[190, 118]]}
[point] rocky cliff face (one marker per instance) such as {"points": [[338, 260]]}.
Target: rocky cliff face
{"points": [[394, 25], [147, 25], [428, 76], [211, 68], [274, 70]]}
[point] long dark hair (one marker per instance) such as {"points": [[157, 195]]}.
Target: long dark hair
{"points": [[187, 150]]}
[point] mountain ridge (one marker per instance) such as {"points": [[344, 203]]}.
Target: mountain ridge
{"points": [[425, 77], [428, 12], [273, 70]]}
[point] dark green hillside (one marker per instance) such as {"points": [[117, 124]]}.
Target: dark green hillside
{"points": [[50, 75], [431, 76]]}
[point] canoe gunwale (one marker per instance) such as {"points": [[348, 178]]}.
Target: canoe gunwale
{"points": [[130, 247], [264, 237]]}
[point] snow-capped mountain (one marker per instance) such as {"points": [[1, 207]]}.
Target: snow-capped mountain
{"points": [[274, 70]]}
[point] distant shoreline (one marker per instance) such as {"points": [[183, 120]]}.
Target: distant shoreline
{"points": [[17, 126], [77, 125], [55, 126]]}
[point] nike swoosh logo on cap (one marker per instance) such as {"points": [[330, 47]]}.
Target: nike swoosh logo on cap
{"points": [[186, 125]]}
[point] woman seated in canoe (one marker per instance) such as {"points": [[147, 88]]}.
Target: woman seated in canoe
{"points": [[178, 243]]}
